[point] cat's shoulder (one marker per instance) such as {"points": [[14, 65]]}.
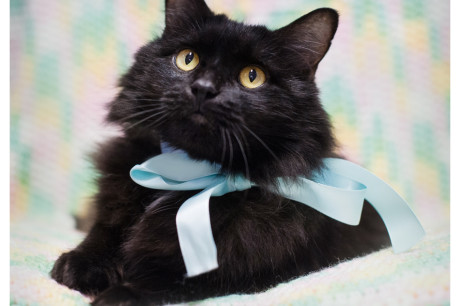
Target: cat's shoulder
{"points": [[121, 153]]}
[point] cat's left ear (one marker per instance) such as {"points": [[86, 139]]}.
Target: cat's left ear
{"points": [[311, 35], [185, 13]]}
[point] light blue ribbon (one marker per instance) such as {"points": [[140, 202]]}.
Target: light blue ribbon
{"points": [[338, 191]]}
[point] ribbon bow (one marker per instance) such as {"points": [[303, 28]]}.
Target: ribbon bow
{"points": [[338, 191]]}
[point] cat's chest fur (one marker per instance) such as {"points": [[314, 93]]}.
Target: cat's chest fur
{"points": [[253, 229]]}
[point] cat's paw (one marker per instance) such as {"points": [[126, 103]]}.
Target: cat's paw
{"points": [[78, 271], [120, 296]]}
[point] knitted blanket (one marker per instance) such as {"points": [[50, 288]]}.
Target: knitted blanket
{"points": [[417, 277]]}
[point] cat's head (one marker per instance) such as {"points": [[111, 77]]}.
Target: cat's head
{"points": [[235, 94]]}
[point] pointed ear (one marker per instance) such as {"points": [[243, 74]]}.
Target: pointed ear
{"points": [[311, 35], [185, 12]]}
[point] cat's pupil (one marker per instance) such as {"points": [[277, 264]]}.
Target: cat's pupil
{"points": [[189, 57], [252, 75]]}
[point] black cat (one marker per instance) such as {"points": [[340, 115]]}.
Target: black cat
{"points": [[238, 95]]}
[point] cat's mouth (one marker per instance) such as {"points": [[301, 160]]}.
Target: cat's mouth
{"points": [[199, 118]]}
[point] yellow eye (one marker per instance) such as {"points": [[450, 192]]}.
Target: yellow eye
{"points": [[187, 60], [252, 77]]}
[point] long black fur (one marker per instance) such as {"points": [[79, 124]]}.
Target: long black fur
{"points": [[131, 256]]}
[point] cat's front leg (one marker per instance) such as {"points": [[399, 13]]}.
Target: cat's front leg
{"points": [[153, 268], [95, 264], [92, 266]]}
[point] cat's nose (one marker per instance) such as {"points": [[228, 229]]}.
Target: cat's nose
{"points": [[204, 89]]}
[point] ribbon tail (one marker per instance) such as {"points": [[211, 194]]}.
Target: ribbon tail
{"points": [[194, 230], [402, 225]]}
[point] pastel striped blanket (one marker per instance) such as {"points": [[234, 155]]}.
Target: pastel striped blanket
{"points": [[417, 277]]}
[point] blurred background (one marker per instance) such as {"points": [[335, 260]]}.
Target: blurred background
{"points": [[384, 82]]}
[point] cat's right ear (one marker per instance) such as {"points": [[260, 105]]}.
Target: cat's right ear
{"points": [[183, 13], [311, 35]]}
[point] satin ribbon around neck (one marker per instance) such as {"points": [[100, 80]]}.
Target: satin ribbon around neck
{"points": [[338, 191]]}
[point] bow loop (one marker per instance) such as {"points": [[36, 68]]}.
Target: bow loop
{"points": [[177, 166], [175, 171]]}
